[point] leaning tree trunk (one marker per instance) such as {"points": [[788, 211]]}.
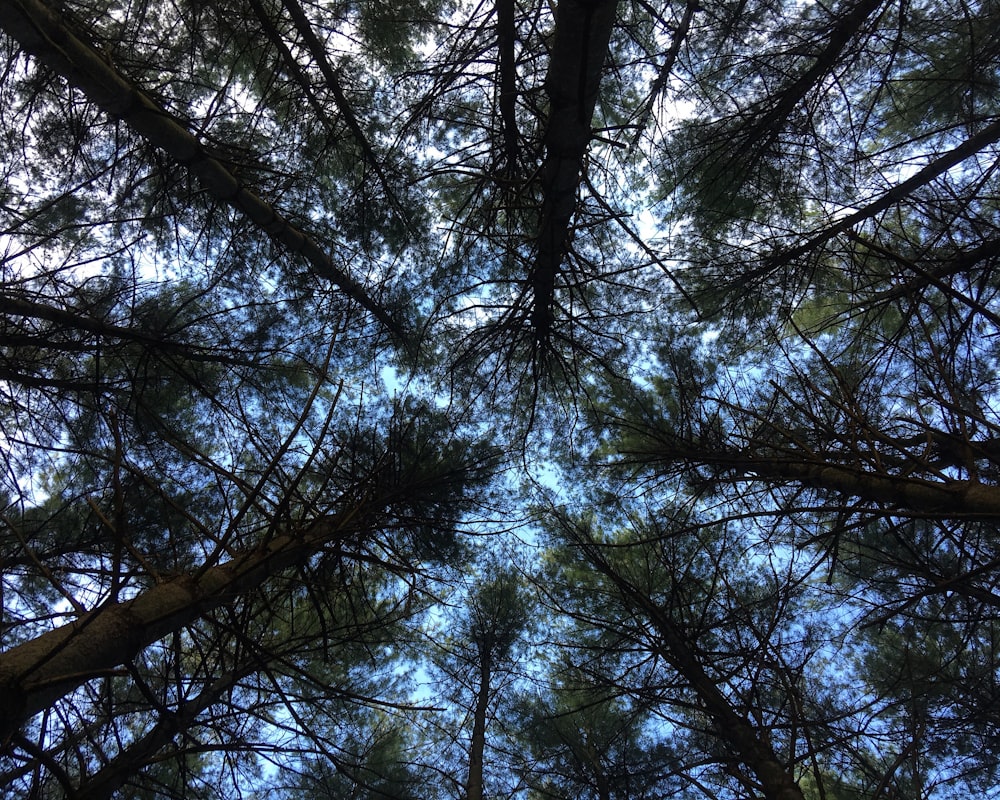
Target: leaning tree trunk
{"points": [[750, 744], [64, 51], [112, 775], [951, 498], [35, 674]]}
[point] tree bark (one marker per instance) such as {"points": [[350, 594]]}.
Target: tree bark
{"points": [[318, 52], [35, 674], [582, 34], [988, 135], [957, 498], [46, 37], [767, 129], [477, 747], [951, 499], [506, 40]]}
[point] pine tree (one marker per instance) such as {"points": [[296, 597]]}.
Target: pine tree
{"points": [[692, 307]]}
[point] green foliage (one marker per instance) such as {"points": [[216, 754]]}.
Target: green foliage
{"points": [[498, 614], [653, 451]]}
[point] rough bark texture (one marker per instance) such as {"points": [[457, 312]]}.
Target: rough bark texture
{"points": [[957, 498], [35, 674], [44, 35], [582, 33]]}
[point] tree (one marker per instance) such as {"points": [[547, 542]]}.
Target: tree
{"points": [[585, 742], [695, 305], [476, 661], [672, 628], [323, 572]]}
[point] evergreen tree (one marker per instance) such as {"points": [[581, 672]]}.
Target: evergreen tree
{"points": [[692, 307]]}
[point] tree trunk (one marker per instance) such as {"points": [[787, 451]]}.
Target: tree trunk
{"points": [[952, 499], [477, 747], [42, 34], [582, 33], [130, 760], [988, 135], [506, 40], [37, 673], [749, 744]]}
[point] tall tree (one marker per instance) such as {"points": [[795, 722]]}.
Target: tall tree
{"points": [[717, 279], [475, 662]]}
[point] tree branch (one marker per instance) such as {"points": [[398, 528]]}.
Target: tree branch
{"points": [[42, 34]]}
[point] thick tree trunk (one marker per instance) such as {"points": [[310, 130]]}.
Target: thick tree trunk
{"points": [[955, 498], [22, 309], [589, 755], [35, 674], [582, 33], [43, 34], [751, 745]]}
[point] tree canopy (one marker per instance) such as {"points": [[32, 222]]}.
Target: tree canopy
{"points": [[586, 399]]}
